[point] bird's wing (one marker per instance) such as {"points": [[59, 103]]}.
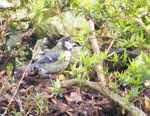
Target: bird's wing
{"points": [[49, 59]]}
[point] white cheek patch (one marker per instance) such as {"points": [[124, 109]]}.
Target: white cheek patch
{"points": [[68, 45]]}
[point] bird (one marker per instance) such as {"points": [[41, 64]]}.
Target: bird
{"points": [[56, 59]]}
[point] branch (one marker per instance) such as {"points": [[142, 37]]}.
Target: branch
{"points": [[108, 93], [100, 86], [94, 44], [140, 22]]}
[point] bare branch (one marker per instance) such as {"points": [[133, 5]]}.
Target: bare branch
{"points": [[94, 44]]}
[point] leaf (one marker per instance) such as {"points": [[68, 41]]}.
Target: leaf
{"points": [[74, 97], [147, 104], [148, 27], [134, 91], [108, 2], [127, 28], [61, 77], [147, 83], [88, 4]]}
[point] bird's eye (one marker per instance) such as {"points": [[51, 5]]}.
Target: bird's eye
{"points": [[75, 45]]}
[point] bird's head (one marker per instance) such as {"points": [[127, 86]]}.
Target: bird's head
{"points": [[66, 43]]}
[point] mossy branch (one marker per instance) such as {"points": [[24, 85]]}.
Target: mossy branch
{"points": [[106, 92]]}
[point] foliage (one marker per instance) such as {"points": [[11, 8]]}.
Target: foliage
{"points": [[86, 65], [55, 88], [119, 18], [125, 21], [136, 75]]}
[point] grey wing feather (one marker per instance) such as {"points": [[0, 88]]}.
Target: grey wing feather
{"points": [[49, 59]]}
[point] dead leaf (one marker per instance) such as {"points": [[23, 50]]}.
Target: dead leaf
{"points": [[61, 77], [147, 104], [92, 74], [123, 111], [100, 43], [78, 90], [74, 96], [2, 73], [147, 83], [112, 78]]}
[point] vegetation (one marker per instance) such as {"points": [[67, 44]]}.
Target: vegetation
{"points": [[122, 31]]}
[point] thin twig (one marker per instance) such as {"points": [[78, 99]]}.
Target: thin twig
{"points": [[38, 104], [20, 105], [111, 44], [15, 93]]}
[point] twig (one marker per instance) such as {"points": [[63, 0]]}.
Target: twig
{"points": [[100, 86], [140, 22], [38, 104], [94, 44], [108, 93], [20, 105], [15, 93], [111, 44], [90, 18]]}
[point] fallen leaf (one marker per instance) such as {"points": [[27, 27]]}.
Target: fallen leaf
{"points": [[112, 78], [147, 104], [2, 73], [147, 83], [123, 111], [74, 96], [61, 77]]}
